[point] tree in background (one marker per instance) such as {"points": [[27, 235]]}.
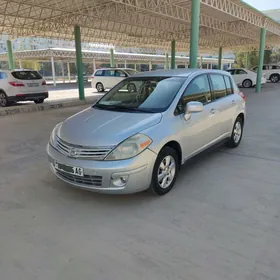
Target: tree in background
{"points": [[253, 57], [275, 56]]}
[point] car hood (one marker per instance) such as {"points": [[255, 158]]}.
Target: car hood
{"points": [[95, 127]]}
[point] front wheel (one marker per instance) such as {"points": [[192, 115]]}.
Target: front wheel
{"points": [[274, 78], [39, 101], [237, 133], [165, 171], [247, 83]]}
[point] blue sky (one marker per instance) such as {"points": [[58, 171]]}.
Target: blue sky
{"points": [[264, 4]]}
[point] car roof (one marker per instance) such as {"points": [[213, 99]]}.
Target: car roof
{"points": [[177, 72], [114, 68]]}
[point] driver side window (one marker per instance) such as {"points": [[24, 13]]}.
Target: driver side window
{"points": [[197, 90]]}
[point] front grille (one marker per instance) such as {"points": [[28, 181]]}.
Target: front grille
{"points": [[85, 180], [74, 151]]}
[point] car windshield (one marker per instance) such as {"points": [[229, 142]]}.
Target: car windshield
{"points": [[131, 72], [145, 94]]}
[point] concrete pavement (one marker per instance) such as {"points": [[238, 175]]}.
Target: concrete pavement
{"points": [[220, 222]]}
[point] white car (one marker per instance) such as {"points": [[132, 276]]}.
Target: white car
{"points": [[22, 85], [270, 71], [107, 78], [244, 77]]}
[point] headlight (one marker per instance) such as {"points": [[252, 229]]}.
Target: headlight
{"points": [[131, 147], [53, 135]]}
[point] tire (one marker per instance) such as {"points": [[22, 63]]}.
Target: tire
{"points": [[39, 101], [3, 99], [99, 87], [274, 78], [131, 88], [167, 158], [247, 83], [237, 133]]}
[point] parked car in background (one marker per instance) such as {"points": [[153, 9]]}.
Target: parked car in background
{"points": [[244, 77], [131, 141], [270, 71], [22, 85], [107, 78], [85, 78]]}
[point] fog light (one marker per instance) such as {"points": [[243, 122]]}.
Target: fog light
{"points": [[120, 181]]}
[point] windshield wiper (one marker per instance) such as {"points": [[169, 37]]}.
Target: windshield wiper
{"points": [[122, 108]]}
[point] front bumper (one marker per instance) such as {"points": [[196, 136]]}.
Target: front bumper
{"points": [[99, 175], [28, 97]]}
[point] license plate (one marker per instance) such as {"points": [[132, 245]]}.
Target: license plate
{"points": [[33, 85], [78, 171]]}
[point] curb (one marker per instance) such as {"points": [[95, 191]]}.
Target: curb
{"points": [[13, 110]]}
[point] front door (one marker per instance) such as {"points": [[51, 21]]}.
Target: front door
{"points": [[200, 130]]}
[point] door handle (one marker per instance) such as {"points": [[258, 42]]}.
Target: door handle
{"points": [[213, 111]]}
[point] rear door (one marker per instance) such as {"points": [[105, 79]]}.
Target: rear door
{"points": [[224, 103], [27, 81]]}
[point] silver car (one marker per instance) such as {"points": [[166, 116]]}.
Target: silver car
{"points": [[139, 133]]}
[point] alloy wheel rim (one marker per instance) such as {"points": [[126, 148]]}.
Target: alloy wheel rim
{"points": [[99, 87], [247, 84], [166, 172], [274, 79], [237, 132], [3, 100]]}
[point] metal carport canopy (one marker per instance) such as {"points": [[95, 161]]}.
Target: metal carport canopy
{"points": [[140, 23], [61, 54]]}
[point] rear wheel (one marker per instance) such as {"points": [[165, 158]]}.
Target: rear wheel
{"points": [[274, 78], [39, 101], [99, 87], [247, 83], [165, 171], [3, 100], [237, 133]]}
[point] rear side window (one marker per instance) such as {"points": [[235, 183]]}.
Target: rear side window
{"points": [[109, 73], [26, 75], [231, 71], [98, 73], [219, 86], [275, 67], [228, 85], [240, 72]]}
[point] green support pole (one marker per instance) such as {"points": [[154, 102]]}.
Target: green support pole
{"points": [[79, 62], [194, 33], [261, 57], [166, 65], [112, 62], [10, 55], [220, 58], [247, 60], [173, 51]]}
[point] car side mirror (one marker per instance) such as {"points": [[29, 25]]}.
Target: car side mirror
{"points": [[192, 107]]}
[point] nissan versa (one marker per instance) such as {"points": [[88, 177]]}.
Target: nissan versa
{"points": [[137, 135]]}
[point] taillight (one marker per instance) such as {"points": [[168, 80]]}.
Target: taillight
{"points": [[44, 83], [16, 84], [242, 95]]}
